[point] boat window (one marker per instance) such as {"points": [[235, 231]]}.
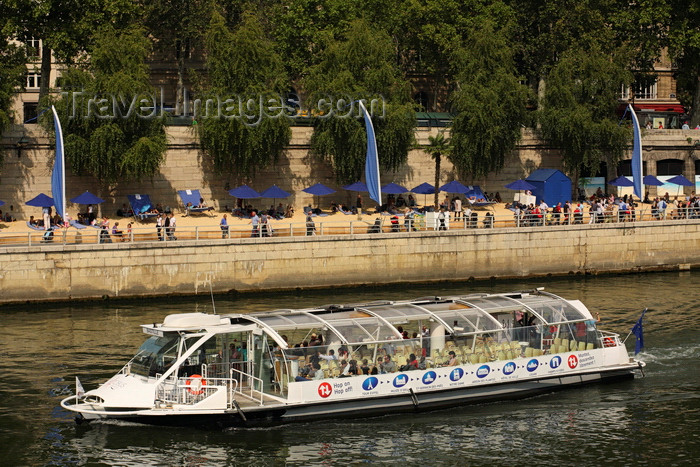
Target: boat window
{"points": [[155, 355]]}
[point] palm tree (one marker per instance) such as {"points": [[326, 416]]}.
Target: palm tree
{"points": [[439, 146]]}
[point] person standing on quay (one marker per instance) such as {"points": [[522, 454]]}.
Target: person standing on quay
{"points": [[254, 220], [159, 226], [224, 227], [171, 228]]}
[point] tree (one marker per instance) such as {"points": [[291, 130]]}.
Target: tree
{"points": [[252, 131], [303, 28], [490, 103], [438, 146], [177, 27], [579, 114], [684, 48], [360, 66], [115, 133], [65, 27], [12, 72]]}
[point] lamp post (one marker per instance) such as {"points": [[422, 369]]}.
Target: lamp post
{"points": [[21, 143]]}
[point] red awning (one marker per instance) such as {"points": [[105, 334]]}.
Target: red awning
{"points": [[658, 107]]}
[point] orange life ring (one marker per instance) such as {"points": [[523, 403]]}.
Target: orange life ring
{"points": [[608, 342], [195, 384]]}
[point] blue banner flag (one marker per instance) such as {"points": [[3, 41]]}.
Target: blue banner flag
{"points": [[58, 176], [638, 332], [636, 155], [372, 160]]}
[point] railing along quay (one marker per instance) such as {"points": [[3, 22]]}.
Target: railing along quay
{"points": [[375, 224]]}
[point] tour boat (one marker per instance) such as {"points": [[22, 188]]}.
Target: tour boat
{"points": [[298, 365]]}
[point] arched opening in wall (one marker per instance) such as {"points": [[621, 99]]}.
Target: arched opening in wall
{"points": [[593, 181], [624, 168], [697, 167], [422, 99], [292, 100], [669, 167]]}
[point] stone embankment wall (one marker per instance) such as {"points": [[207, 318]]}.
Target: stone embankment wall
{"points": [[26, 172], [126, 270]]}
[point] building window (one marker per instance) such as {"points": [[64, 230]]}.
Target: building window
{"points": [[421, 98], [30, 112], [643, 89], [33, 80], [669, 167], [33, 48]]}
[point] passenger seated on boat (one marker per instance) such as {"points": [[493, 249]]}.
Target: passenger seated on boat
{"points": [[310, 372], [452, 361], [411, 363], [344, 368], [330, 356], [388, 366], [364, 368]]}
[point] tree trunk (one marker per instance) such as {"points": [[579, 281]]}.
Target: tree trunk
{"points": [[695, 114], [180, 78], [45, 75], [437, 180]]}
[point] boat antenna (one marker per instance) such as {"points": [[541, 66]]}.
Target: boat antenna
{"points": [[211, 292]]}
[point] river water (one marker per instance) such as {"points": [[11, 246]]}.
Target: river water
{"points": [[647, 421]]}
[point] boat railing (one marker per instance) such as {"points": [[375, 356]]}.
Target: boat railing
{"points": [[252, 391], [609, 339], [189, 390]]}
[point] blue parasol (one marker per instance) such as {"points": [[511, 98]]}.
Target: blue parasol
{"points": [[393, 189], [1, 202], [679, 180], [87, 198], [424, 188], [357, 186], [274, 192], [40, 201], [244, 192], [454, 187], [621, 181], [520, 184], [318, 189], [652, 181]]}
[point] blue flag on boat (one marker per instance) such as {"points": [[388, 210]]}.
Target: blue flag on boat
{"points": [[636, 155], [638, 332], [372, 160], [58, 176]]}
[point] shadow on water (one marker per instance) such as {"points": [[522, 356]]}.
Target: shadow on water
{"points": [[634, 422]]}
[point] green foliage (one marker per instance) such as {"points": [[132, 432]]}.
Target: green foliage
{"points": [[243, 65], [303, 28], [579, 114], [99, 141], [360, 66], [684, 48], [12, 71], [490, 104], [438, 146]]}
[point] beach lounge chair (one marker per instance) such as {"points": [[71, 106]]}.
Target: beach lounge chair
{"points": [[141, 205], [48, 234], [191, 199]]}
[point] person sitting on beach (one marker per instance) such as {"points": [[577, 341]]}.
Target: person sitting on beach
{"points": [[116, 232]]}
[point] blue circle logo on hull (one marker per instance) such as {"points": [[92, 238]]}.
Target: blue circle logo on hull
{"points": [[532, 365], [370, 383], [509, 368], [483, 371], [555, 362], [429, 377], [456, 374], [400, 380]]}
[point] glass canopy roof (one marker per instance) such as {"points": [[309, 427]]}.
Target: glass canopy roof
{"points": [[459, 315]]}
